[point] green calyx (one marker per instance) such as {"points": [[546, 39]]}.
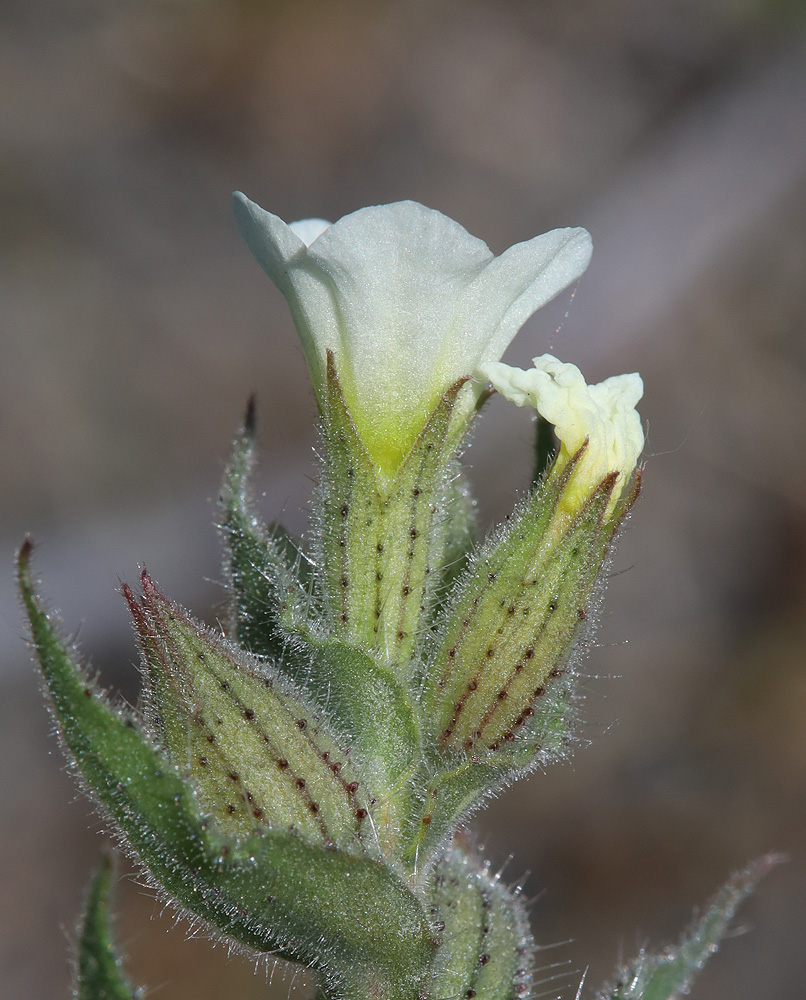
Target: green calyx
{"points": [[308, 750], [486, 948], [259, 755], [383, 538], [517, 617], [297, 782]]}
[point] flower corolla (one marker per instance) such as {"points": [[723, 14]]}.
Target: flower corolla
{"points": [[408, 303], [602, 417]]}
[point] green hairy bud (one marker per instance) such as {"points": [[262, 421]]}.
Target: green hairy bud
{"points": [[518, 615], [258, 754], [299, 782]]}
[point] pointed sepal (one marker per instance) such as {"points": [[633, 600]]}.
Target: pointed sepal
{"points": [[497, 691], [269, 578], [459, 530], [384, 537], [258, 753], [517, 619], [98, 973]]}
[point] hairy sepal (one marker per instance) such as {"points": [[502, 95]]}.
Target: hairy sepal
{"points": [[258, 752], [98, 969], [670, 973], [459, 526], [269, 578], [451, 786], [517, 618], [376, 713], [345, 915], [486, 950], [385, 536], [497, 687]]}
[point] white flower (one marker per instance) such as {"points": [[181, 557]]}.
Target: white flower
{"points": [[408, 302], [604, 415]]}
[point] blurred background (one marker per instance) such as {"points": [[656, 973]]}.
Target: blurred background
{"points": [[135, 324]]}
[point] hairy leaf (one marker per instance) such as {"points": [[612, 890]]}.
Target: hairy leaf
{"points": [[670, 973], [369, 703]]}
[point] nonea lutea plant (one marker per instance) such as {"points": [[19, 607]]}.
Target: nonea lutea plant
{"points": [[300, 783]]}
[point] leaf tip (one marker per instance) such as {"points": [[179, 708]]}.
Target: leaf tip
{"points": [[250, 419]]}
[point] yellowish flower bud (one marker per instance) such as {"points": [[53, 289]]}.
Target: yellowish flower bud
{"points": [[601, 417]]}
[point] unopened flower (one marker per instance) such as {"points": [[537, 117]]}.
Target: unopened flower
{"points": [[602, 417], [509, 642], [408, 303]]}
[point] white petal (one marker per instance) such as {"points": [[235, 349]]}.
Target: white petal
{"points": [[273, 243], [522, 280], [396, 276], [283, 256], [309, 229]]}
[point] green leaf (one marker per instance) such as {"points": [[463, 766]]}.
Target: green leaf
{"points": [[446, 796], [347, 916], [269, 578], [98, 969], [670, 973]]}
